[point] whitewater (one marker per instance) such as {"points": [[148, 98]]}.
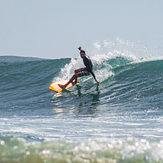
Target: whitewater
{"points": [[118, 120]]}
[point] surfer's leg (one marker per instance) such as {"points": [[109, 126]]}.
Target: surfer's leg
{"points": [[70, 81], [83, 72], [74, 77], [79, 73], [76, 72]]}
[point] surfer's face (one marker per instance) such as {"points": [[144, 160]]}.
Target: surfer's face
{"points": [[82, 55]]}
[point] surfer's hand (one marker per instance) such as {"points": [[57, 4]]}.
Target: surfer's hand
{"points": [[97, 81]]}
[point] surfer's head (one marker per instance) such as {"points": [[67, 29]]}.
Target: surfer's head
{"points": [[82, 53], [79, 48]]}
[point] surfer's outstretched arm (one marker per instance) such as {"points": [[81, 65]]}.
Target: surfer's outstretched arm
{"points": [[94, 77]]}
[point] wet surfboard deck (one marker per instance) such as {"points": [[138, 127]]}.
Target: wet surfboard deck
{"points": [[56, 88]]}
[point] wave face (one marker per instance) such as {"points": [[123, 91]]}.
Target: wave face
{"points": [[123, 81], [118, 120]]}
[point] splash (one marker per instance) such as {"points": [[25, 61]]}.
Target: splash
{"points": [[100, 55], [103, 52]]}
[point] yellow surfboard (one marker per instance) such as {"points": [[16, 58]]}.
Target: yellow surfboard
{"points": [[55, 87]]}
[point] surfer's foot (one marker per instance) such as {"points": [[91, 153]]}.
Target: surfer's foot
{"points": [[62, 86], [76, 82]]}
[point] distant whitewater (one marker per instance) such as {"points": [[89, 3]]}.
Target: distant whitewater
{"points": [[118, 120]]}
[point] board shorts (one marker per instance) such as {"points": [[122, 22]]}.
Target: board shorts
{"points": [[83, 72]]}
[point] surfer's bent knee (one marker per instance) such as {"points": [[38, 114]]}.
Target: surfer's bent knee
{"points": [[76, 71]]}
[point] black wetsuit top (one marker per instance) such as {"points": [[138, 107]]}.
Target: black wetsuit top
{"points": [[88, 64]]}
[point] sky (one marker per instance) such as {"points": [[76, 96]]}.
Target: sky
{"points": [[55, 28]]}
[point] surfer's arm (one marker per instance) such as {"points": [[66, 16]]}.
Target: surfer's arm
{"points": [[94, 77]]}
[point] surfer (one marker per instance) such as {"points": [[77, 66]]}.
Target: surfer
{"points": [[81, 71]]}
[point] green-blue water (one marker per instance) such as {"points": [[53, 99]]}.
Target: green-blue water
{"points": [[118, 120]]}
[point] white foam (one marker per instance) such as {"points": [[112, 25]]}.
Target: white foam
{"points": [[101, 52]]}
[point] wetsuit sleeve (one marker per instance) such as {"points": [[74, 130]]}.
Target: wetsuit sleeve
{"points": [[93, 75]]}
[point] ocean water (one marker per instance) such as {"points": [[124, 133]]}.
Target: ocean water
{"points": [[119, 120]]}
